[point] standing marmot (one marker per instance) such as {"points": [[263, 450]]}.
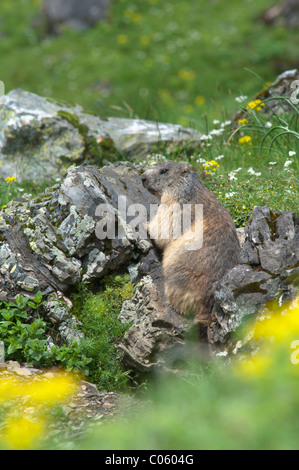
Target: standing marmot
{"points": [[189, 274]]}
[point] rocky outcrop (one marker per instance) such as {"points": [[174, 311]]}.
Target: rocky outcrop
{"points": [[73, 13], [284, 13], [268, 270], [40, 139], [54, 241]]}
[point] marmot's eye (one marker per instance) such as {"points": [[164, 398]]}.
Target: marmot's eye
{"points": [[162, 172]]}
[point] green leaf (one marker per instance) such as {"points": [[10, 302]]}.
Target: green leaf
{"points": [[38, 297]]}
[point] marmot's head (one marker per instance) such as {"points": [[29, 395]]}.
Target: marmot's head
{"points": [[176, 180]]}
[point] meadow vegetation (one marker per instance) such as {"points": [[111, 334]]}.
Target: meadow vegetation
{"points": [[188, 63]]}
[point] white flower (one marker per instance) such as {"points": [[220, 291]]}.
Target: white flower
{"points": [[268, 124], [225, 123], [252, 172], [272, 163], [219, 157], [215, 122], [241, 98], [232, 176], [230, 194], [291, 154], [216, 132], [205, 137], [288, 163]]}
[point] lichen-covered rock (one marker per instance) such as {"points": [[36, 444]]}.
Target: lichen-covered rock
{"points": [[268, 269], [156, 326], [51, 243], [40, 138]]}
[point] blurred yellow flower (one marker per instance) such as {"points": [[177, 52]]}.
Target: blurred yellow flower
{"points": [[188, 109], [122, 39], [8, 389], [246, 140], [19, 394], [254, 367], [51, 391], [200, 100], [282, 324], [10, 179], [22, 434], [133, 15], [186, 74], [277, 331], [145, 40], [242, 121], [136, 17]]}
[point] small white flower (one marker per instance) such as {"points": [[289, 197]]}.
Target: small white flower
{"points": [[216, 132], [230, 194], [292, 153], [288, 163], [268, 124], [205, 137], [241, 98], [215, 122], [225, 123], [252, 172], [232, 176], [272, 163], [219, 157]]}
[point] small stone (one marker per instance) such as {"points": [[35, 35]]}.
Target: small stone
{"points": [[22, 371]]}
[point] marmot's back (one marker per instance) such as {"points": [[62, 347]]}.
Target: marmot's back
{"points": [[189, 274]]}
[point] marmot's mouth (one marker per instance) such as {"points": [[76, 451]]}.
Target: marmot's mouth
{"points": [[151, 190]]}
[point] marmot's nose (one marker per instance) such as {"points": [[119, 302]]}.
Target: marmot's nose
{"points": [[143, 177]]}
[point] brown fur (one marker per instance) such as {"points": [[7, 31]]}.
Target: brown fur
{"points": [[189, 276]]}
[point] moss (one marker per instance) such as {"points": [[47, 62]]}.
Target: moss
{"points": [[99, 152], [98, 313]]}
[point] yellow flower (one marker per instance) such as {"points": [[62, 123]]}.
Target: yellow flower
{"points": [[255, 105], [242, 121], [253, 367], [50, 391], [188, 108], [22, 434], [245, 140], [186, 74], [122, 39], [200, 100], [21, 394], [136, 17], [11, 179], [281, 324], [8, 389], [145, 40], [211, 164]]}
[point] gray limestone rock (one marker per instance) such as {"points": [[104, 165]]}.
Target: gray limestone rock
{"points": [[268, 269], [75, 13], [40, 138]]}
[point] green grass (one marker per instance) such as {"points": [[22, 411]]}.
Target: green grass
{"points": [[174, 61], [181, 62]]}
